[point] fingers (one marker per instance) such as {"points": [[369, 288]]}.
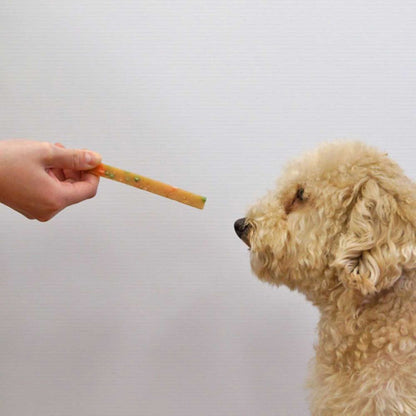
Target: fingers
{"points": [[69, 167], [77, 191], [74, 159], [56, 173], [59, 173], [77, 185]]}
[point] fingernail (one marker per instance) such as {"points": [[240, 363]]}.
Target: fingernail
{"points": [[92, 158]]}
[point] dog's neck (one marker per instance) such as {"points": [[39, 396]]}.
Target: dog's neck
{"points": [[354, 327]]}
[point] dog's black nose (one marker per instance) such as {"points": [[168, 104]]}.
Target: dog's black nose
{"points": [[241, 228]]}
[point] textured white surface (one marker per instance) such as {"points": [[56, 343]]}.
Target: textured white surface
{"points": [[130, 304]]}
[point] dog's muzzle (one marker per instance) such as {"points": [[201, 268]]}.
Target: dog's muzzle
{"points": [[242, 229]]}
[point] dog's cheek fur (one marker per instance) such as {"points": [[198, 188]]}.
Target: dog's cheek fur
{"points": [[291, 249]]}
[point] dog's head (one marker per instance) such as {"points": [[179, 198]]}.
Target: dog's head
{"points": [[344, 214]]}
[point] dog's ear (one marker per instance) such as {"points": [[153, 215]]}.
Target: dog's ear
{"points": [[378, 242]]}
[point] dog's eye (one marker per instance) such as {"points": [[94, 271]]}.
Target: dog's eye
{"points": [[299, 198], [300, 194]]}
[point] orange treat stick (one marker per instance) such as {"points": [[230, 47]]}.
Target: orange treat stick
{"points": [[150, 185]]}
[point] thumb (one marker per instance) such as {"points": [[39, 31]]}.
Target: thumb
{"points": [[74, 159]]}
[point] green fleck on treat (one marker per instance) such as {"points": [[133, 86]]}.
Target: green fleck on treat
{"points": [[204, 199], [136, 179], [109, 174]]}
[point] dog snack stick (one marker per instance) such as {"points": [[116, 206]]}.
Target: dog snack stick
{"points": [[149, 185]]}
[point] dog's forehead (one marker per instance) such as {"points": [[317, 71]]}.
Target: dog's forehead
{"points": [[338, 165], [334, 160]]}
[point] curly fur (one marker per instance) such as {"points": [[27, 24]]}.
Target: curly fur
{"points": [[349, 244]]}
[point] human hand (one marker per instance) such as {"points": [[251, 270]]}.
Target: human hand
{"points": [[40, 179]]}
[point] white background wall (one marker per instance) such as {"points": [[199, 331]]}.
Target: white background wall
{"points": [[130, 304]]}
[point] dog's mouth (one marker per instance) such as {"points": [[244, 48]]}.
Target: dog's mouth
{"points": [[242, 229]]}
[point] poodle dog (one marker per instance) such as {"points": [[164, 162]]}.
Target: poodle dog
{"points": [[341, 229]]}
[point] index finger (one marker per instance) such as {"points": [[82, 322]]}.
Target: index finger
{"points": [[78, 191]]}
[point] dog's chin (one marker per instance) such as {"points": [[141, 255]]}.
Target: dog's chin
{"points": [[260, 269], [255, 262], [273, 272]]}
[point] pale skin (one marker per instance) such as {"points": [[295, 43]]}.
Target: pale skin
{"points": [[40, 179]]}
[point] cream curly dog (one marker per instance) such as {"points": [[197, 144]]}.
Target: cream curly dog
{"points": [[341, 228]]}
